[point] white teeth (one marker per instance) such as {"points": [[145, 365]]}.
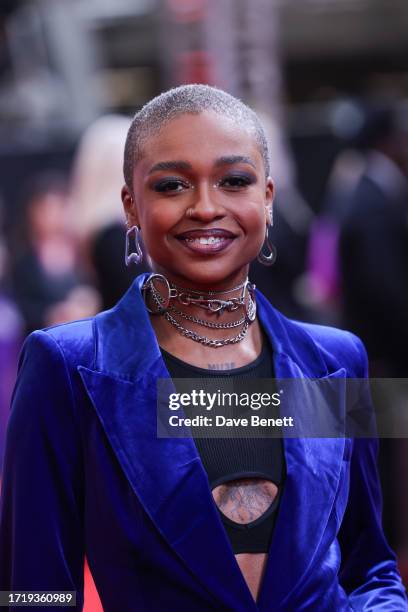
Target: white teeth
{"points": [[202, 240], [210, 240]]}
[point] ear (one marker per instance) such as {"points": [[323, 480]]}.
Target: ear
{"points": [[129, 206], [269, 195]]}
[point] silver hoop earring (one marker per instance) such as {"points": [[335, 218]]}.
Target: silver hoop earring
{"points": [[136, 256], [267, 259]]}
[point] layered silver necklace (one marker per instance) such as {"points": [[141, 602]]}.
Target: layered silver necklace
{"points": [[216, 302]]}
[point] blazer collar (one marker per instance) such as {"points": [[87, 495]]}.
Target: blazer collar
{"points": [[127, 346], [167, 474]]}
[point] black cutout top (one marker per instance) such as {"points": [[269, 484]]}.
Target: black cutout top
{"points": [[233, 458]]}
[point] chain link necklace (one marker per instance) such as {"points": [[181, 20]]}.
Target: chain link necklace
{"points": [[189, 333], [214, 304], [205, 323]]}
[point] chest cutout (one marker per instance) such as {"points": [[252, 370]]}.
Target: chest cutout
{"points": [[245, 500]]}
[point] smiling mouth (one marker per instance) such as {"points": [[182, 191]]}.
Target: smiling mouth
{"points": [[206, 241]]}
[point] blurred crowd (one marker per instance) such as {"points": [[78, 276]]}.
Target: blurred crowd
{"points": [[64, 257], [359, 247]]}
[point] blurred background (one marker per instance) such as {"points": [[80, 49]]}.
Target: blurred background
{"points": [[329, 79]]}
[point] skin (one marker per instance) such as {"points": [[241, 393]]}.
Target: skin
{"points": [[244, 501], [220, 183]]}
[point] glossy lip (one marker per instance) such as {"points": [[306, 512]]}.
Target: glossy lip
{"points": [[226, 236]]}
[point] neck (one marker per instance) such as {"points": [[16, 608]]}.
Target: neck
{"points": [[201, 283]]}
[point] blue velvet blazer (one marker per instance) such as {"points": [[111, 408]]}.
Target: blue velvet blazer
{"points": [[85, 474]]}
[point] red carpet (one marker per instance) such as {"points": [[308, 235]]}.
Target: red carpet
{"points": [[92, 601]]}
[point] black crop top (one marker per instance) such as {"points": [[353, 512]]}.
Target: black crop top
{"points": [[227, 459]]}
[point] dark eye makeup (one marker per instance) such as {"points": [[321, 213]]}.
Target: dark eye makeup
{"points": [[170, 184], [235, 181]]}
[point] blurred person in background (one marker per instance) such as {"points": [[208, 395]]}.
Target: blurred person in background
{"points": [[322, 281], [95, 213], [374, 246], [292, 217], [11, 334], [47, 285]]}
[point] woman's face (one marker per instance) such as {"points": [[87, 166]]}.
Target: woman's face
{"points": [[201, 199]]}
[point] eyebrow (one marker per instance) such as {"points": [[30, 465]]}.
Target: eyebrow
{"points": [[234, 159], [170, 165]]}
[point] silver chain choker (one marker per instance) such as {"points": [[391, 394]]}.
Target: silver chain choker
{"points": [[214, 301]]}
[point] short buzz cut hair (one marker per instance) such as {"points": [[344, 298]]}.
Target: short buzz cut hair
{"points": [[185, 100]]}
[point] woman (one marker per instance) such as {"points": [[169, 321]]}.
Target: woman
{"points": [[182, 524]]}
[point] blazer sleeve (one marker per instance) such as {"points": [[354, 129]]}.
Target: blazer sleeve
{"points": [[41, 512], [369, 572]]}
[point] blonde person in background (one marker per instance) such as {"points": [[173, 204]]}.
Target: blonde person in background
{"points": [[94, 213]]}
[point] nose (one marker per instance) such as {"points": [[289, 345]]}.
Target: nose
{"points": [[205, 207]]}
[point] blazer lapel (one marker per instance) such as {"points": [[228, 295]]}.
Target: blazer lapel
{"points": [[166, 474], [312, 469]]}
